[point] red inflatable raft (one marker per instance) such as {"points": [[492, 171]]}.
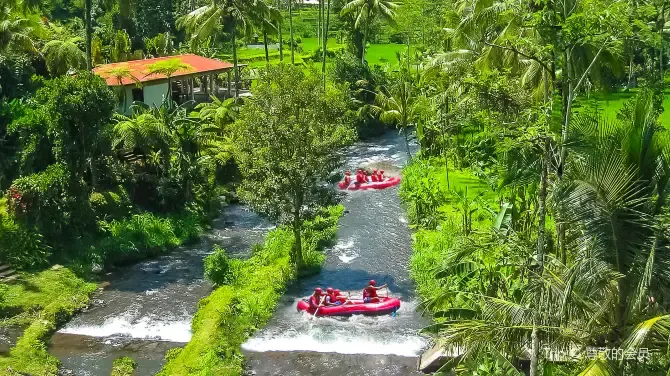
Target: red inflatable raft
{"points": [[388, 182], [355, 307]]}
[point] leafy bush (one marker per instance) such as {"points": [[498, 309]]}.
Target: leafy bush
{"points": [[123, 366], [363, 81], [43, 201], [146, 234], [21, 247], [317, 235], [219, 268], [423, 193], [109, 205]]}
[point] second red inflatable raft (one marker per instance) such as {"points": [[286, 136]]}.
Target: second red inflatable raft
{"points": [[356, 307], [388, 182]]}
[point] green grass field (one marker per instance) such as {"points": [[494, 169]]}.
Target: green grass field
{"points": [[609, 104], [383, 54], [377, 54]]}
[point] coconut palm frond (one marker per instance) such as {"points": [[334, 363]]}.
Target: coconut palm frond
{"points": [[599, 367]]}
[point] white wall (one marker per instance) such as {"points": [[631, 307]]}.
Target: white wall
{"points": [[155, 94], [129, 100]]}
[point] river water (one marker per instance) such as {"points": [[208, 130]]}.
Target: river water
{"points": [[147, 308], [373, 242]]}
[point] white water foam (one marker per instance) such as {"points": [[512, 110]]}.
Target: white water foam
{"points": [[144, 328], [358, 334], [346, 254], [378, 148], [347, 257], [398, 345]]}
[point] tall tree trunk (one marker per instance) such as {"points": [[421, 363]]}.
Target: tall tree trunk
{"points": [[297, 233], [169, 92], [660, 52], [267, 53], [630, 72], [290, 26], [446, 126], [541, 213], [89, 34], [409, 64], [94, 173], [237, 72], [406, 133], [541, 228], [281, 36], [325, 43], [365, 38], [319, 24]]}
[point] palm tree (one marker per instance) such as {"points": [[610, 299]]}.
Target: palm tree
{"points": [[290, 27], [183, 145], [143, 133], [16, 33], [89, 33], [205, 22], [168, 68], [119, 73], [219, 113], [397, 106], [63, 55], [367, 11], [325, 41], [279, 32], [272, 18], [612, 200]]}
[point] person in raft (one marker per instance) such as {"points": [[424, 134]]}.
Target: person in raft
{"points": [[347, 178], [380, 177], [317, 298], [360, 178], [339, 297], [370, 292], [332, 297], [375, 176]]}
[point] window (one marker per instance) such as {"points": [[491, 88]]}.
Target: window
{"points": [[138, 94]]}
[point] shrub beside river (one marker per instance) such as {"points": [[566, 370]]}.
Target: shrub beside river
{"points": [[247, 299]]}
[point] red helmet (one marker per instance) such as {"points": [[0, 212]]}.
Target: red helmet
{"points": [[318, 291], [348, 172], [329, 290], [337, 291], [375, 170], [382, 171], [372, 282], [359, 170]]}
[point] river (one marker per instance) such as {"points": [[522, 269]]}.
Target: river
{"points": [[147, 309], [373, 242]]}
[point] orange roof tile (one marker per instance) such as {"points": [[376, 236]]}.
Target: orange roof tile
{"points": [[138, 68]]}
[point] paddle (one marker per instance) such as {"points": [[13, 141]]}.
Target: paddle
{"points": [[317, 308]]}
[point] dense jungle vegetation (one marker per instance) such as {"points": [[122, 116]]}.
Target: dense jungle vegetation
{"points": [[539, 193]]}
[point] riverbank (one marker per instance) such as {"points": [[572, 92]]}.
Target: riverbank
{"points": [[40, 302], [441, 213], [227, 317]]}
